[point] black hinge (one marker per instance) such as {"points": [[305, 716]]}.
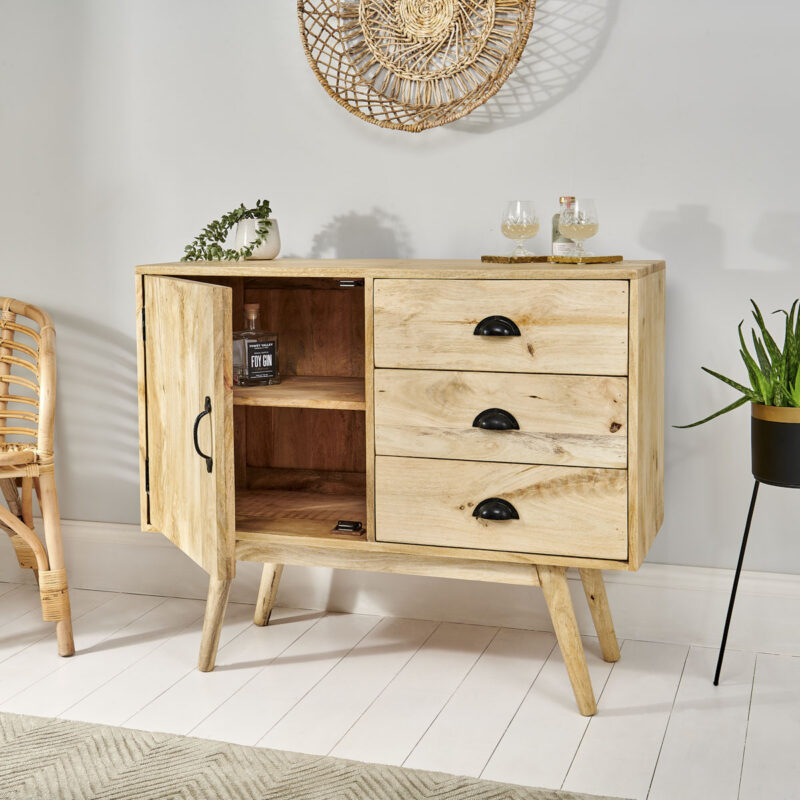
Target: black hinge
{"points": [[144, 327], [147, 475]]}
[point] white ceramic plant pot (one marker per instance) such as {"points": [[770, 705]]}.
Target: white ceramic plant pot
{"points": [[246, 233]]}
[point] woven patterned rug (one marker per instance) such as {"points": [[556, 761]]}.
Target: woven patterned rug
{"points": [[52, 759]]}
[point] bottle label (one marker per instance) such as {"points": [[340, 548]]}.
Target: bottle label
{"points": [[260, 360], [563, 248]]}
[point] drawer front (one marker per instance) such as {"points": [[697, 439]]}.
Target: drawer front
{"points": [[565, 327], [569, 511], [489, 416]]}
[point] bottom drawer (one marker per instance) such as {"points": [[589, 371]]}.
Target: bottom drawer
{"points": [[569, 511]]}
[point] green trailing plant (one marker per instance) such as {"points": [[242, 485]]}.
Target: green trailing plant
{"points": [[209, 245], [774, 372]]}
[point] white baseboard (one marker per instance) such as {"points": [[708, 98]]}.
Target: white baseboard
{"points": [[660, 602]]}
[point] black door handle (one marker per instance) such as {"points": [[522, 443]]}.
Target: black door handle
{"points": [[496, 419], [207, 410], [495, 508], [496, 326]]}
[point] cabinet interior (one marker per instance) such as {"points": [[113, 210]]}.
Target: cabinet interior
{"points": [[300, 446]]}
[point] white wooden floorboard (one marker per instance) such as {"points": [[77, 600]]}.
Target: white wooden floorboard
{"points": [[262, 701], [242, 656], [701, 757], [543, 737], [131, 690], [143, 681], [42, 659], [463, 736], [772, 752], [328, 711], [620, 749], [7, 587], [390, 728], [24, 631], [78, 677], [20, 600], [437, 696]]}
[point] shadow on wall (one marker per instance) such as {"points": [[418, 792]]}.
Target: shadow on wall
{"points": [[566, 41], [688, 234], [377, 234], [777, 235], [97, 441]]}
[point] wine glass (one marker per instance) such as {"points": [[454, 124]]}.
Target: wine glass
{"points": [[579, 221], [520, 223]]}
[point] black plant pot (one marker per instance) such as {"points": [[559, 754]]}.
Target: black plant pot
{"points": [[775, 445]]}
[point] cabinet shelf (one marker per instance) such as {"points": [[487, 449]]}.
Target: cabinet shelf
{"points": [[305, 392], [297, 513]]}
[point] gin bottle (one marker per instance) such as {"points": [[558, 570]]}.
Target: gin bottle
{"points": [[255, 352], [561, 245]]}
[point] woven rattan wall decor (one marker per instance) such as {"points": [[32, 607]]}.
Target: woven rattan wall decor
{"points": [[413, 64]]}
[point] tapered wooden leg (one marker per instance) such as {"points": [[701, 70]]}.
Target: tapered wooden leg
{"points": [[53, 582], [595, 589], [218, 591], [270, 579], [559, 603]]}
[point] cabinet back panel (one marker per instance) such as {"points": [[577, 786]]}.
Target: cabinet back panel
{"points": [[303, 438], [320, 325], [318, 481]]}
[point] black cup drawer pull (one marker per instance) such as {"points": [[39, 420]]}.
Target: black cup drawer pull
{"points": [[496, 419], [496, 326], [206, 411], [495, 508]]}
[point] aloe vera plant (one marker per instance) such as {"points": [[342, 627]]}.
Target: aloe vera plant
{"points": [[774, 372]]}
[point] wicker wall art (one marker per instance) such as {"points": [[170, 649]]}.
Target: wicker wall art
{"points": [[413, 64]]}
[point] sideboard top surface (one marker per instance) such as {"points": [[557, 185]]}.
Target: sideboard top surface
{"points": [[403, 268]]}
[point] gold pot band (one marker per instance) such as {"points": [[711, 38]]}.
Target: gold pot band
{"points": [[776, 413]]}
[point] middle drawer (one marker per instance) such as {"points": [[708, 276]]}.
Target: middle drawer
{"points": [[571, 420]]}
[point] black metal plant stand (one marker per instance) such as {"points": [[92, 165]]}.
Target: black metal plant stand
{"points": [[736, 581], [775, 453]]}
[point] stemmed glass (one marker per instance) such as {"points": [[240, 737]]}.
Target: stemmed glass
{"points": [[579, 222], [520, 223]]}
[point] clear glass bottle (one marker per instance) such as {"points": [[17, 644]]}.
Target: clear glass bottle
{"points": [[561, 245], [255, 352]]}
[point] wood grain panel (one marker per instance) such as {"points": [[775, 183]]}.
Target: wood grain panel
{"points": [[369, 379], [567, 327], [305, 392], [320, 330], [306, 480], [451, 268], [646, 415], [296, 513], [299, 438], [188, 352], [569, 511], [363, 555], [141, 386], [569, 420]]}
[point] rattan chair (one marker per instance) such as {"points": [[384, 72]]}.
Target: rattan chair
{"points": [[27, 410]]}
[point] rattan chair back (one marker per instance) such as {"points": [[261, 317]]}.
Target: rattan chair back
{"points": [[27, 386]]}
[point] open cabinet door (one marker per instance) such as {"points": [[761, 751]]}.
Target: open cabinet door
{"points": [[189, 398]]}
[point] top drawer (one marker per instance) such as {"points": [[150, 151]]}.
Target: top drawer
{"points": [[569, 326]]}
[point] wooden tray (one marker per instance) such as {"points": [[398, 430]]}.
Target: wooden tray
{"points": [[584, 259], [550, 259], [515, 259]]}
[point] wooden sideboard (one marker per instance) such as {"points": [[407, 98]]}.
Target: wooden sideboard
{"points": [[485, 422]]}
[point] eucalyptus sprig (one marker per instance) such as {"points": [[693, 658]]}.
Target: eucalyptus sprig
{"points": [[209, 244], [774, 373]]}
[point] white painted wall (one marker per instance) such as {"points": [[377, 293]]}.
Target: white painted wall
{"points": [[125, 126]]}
